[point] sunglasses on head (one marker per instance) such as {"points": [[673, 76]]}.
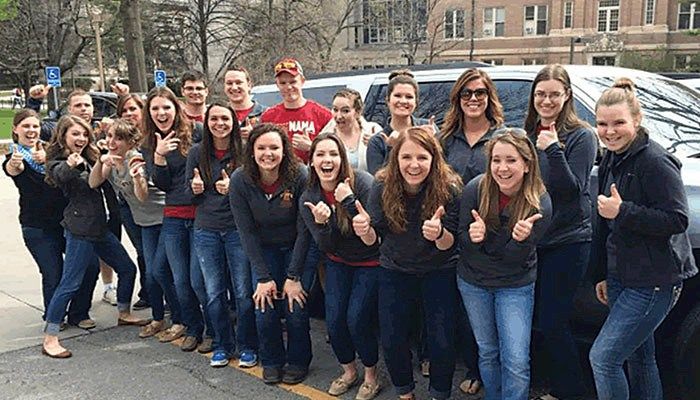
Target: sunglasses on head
{"points": [[285, 65], [467, 94]]}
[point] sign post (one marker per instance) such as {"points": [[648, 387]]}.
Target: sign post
{"points": [[159, 77], [53, 79]]}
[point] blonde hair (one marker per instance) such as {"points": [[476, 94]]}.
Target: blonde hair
{"points": [[622, 91]]}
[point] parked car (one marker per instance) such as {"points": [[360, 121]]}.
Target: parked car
{"points": [[690, 79], [104, 104], [672, 115]]}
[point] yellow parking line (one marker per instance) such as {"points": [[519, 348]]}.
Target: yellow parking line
{"points": [[302, 390]]}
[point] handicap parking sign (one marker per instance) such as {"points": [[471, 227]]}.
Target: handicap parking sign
{"points": [[53, 76], [159, 77]]}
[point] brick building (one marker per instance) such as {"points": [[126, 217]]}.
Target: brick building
{"points": [[388, 32]]}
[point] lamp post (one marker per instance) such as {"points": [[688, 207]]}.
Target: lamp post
{"points": [[97, 19], [574, 39]]}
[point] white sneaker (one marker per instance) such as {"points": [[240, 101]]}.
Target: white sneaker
{"points": [[110, 296]]}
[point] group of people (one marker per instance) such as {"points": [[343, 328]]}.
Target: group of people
{"points": [[425, 238]]}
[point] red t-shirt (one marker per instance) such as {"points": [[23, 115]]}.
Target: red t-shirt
{"points": [[271, 189], [329, 197], [219, 154], [503, 201], [311, 116], [242, 114], [195, 118]]}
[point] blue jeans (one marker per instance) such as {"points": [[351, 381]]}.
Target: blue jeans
{"points": [[189, 284], [501, 319], [560, 269], [79, 258], [133, 231], [269, 324], [221, 256], [351, 312], [400, 294], [628, 335], [46, 247], [159, 277]]}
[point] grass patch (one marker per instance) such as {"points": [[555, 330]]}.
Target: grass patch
{"points": [[6, 123]]}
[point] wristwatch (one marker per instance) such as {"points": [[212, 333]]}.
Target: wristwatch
{"points": [[294, 278]]}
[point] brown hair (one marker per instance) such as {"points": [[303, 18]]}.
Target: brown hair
{"points": [[126, 131], [399, 77], [20, 116], [622, 91], [527, 200], [355, 98], [343, 219], [235, 145], [567, 120], [181, 125], [239, 68], [121, 103], [76, 93], [290, 166], [58, 147], [441, 184]]}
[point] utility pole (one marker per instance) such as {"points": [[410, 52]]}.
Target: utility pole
{"points": [[97, 19], [471, 40]]}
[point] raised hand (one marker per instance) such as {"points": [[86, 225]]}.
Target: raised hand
{"points": [[342, 191], [167, 144], [120, 89], [16, 157], [320, 211], [477, 229], [38, 152], [391, 139], [432, 228], [609, 207], [302, 141], [367, 136], [547, 137], [197, 182], [110, 160], [221, 185], [361, 221], [74, 159], [136, 170], [523, 228]]}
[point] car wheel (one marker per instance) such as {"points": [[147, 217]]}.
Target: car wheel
{"points": [[687, 354]]}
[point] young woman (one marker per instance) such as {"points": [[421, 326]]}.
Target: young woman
{"points": [[503, 214], [264, 199], [351, 127], [123, 166], [412, 212], [70, 157], [640, 247], [40, 212], [216, 238], [402, 100], [167, 140], [474, 114], [351, 268], [566, 148]]}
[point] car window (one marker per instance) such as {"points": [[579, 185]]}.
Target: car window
{"points": [[103, 108], [514, 96], [322, 95]]}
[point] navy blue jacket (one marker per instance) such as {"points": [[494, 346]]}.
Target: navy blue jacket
{"points": [[409, 251], [328, 236], [171, 178], [269, 222], [467, 161], [213, 209], [378, 151], [650, 228], [566, 173], [499, 260]]}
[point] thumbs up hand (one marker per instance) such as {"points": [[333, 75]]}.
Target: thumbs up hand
{"points": [[361, 221], [16, 157], [391, 139], [320, 211], [342, 191], [609, 207], [547, 137], [302, 141], [38, 152], [432, 228], [523, 228], [222, 184], [477, 229], [197, 183]]}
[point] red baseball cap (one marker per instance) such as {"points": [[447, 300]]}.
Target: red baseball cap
{"points": [[289, 65]]}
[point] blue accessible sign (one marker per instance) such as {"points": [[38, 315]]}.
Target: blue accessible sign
{"points": [[159, 77], [53, 76]]}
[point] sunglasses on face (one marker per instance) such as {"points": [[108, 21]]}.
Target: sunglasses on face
{"points": [[480, 94]]}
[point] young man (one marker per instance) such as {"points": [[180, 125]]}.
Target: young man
{"points": [[237, 86], [193, 85], [302, 118]]}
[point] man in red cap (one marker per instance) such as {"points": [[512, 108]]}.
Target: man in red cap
{"points": [[302, 118]]}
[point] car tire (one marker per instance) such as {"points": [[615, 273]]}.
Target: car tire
{"points": [[686, 355]]}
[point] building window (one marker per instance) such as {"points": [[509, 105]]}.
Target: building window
{"points": [[535, 20], [394, 21], [454, 24], [604, 60], [493, 61], [569, 14], [608, 15], [494, 21], [681, 61], [649, 8], [689, 16], [533, 61]]}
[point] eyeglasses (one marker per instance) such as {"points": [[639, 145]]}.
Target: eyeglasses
{"points": [[480, 94], [553, 96], [194, 88]]}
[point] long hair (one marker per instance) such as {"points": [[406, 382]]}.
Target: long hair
{"points": [[121, 103], [289, 168], [454, 118], [527, 200], [20, 116], [59, 148], [621, 92], [235, 145], [343, 219], [441, 184], [567, 120], [181, 125]]}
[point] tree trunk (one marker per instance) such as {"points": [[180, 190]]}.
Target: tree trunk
{"points": [[130, 13], [202, 18]]}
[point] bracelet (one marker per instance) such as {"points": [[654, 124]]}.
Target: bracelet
{"points": [[442, 233]]}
